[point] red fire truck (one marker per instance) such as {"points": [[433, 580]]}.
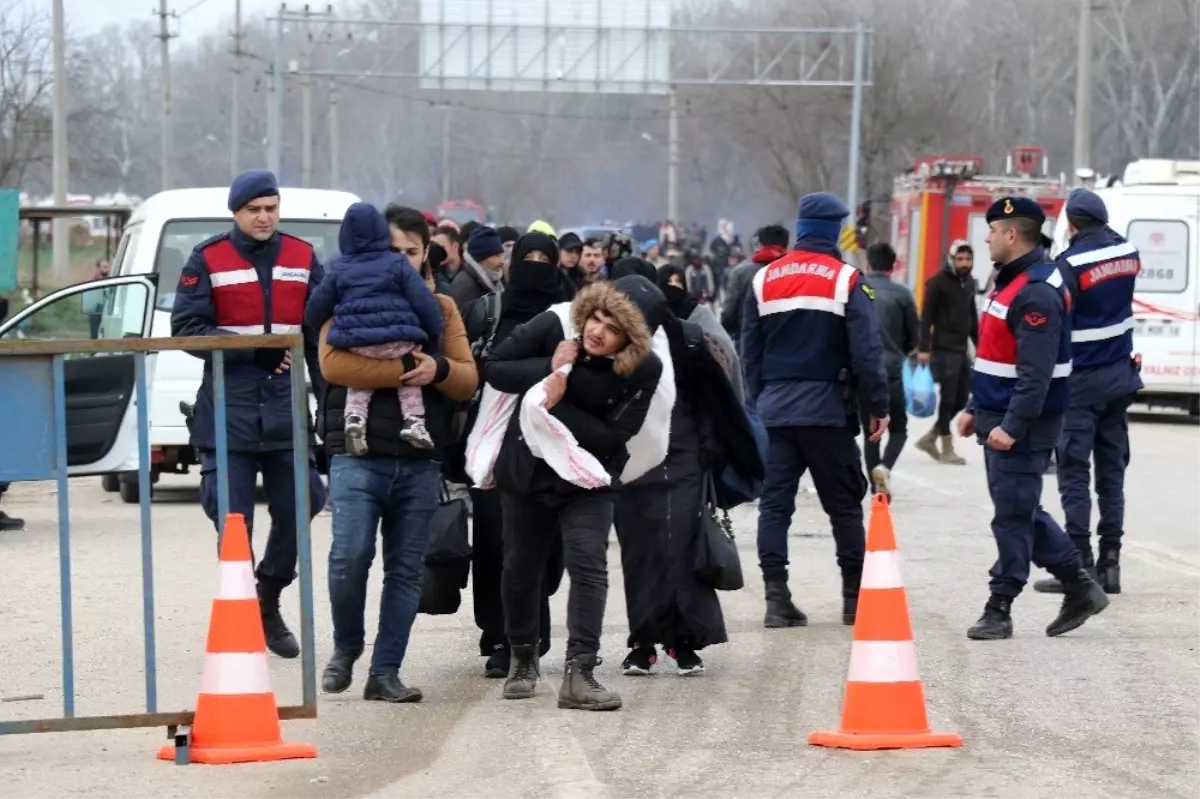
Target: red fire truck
{"points": [[944, 198]]}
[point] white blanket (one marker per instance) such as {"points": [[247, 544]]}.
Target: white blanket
{"points": [[550, 440]]}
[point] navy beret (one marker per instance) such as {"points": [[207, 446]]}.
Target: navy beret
{"points": [[1016, 208], [822, 205], [1087, 203], [250, 185]]}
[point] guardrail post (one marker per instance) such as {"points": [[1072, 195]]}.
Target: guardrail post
{"points": [[142, 398], [64, 538]]}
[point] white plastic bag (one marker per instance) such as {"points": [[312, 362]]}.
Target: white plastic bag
{"points": [[487, 435]]}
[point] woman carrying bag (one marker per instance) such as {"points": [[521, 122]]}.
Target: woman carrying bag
{"points": [[659, 516]]}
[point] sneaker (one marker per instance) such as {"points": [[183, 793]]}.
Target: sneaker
{"points": [[881, 476], [356, 435], [639, 661], [687, 661], [497, 664], [415, 434]]}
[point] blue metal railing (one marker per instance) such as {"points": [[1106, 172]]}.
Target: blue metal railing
{"points": [[33, 386]]}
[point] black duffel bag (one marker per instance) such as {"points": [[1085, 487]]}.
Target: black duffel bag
{"points": [[447, 558]]}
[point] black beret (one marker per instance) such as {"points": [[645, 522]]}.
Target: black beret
{"points": [[1016, 208]]}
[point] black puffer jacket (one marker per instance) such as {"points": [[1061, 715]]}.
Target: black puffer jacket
{"points": [[606, 400]]}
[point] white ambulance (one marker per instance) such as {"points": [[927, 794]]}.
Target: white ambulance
{"points": [[1157, 207]]}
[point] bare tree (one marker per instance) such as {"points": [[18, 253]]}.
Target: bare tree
{"points": [[25, 85]]}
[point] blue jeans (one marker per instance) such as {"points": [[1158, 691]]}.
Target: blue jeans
{"points": [[402, 494]]}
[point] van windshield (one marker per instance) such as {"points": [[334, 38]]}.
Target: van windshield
{"points": [[180, 237]]}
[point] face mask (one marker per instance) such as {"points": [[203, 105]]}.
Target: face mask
{"points": [[674, 294]]}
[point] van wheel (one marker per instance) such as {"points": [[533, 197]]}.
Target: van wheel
{"points": [[111, 483], [130, 493]]}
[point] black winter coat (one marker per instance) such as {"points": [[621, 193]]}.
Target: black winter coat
{"points": [[948, 315], [601, 408]]}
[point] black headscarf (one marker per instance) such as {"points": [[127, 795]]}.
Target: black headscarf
{"points": [[532, 286], [634, 266], [679, 300]]}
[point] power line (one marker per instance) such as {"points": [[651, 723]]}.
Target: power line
{"points": [[190, 9]]}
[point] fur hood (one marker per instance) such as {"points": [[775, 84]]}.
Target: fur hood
{"points": [[629, 315]]}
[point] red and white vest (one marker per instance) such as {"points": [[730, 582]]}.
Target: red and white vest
{"points": [[239, 297]]}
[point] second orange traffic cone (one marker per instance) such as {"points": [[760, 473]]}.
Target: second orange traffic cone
{"points": [[237, 720], [884, 704]]}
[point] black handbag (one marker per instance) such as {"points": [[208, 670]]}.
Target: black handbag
{"points": [[717, 560], [447, 558]]}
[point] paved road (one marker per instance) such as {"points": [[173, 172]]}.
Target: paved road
{"points": [[1110, 710]]}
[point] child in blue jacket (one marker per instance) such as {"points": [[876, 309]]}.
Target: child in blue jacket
{"points": [[381, 308]]}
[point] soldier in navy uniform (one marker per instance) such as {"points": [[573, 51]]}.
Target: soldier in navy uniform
{"points": [[253, 280], [1020, 394], [808, 396], [1100, 268]]}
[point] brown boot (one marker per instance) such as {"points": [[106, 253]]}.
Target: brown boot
{"points": [[928, 444], [582, 691], [948, 453]]}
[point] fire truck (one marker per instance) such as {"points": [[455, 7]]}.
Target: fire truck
{"points": [[944, 199]]}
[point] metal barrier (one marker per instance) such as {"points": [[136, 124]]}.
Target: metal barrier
{"points": [[32, 394]]}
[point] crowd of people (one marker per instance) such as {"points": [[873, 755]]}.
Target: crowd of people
{"points": [[575, 387]]}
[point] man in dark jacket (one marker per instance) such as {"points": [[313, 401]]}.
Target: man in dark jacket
{"points": [[603, 400], [253, 280], [949, 320], [898, 329], [806, 396], [772, 245], [477, 286]]}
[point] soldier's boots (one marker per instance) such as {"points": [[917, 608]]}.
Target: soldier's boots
{"points": [[279, 638], [948, 454], [582, 691], [996, 622], [1052, 585], [781, 612], [1108, 567], [928, 444], [523, 673], [850, 588], [1082, 598]]}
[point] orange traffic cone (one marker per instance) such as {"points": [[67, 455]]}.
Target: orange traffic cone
{"points": [[237, 720], [884, 705]]}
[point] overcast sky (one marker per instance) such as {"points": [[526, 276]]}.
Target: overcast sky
{"points": [[196, 16]]}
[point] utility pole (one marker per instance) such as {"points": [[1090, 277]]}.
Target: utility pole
{"points": [[164, 38], [445, 153], [61, 227], [1083, 89], [673, 160], [335, 178], [306, 127], [275, 118], [860, 50], [235, 115]]}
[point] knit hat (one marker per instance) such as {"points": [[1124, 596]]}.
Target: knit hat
{"points": [[819, 217], [484, 243], [1087, 203], [542, 226], [250, 185], [508, 234]]}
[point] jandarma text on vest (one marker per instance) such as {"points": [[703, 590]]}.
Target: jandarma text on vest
{"points": [[1107, 271], [788, 270]]}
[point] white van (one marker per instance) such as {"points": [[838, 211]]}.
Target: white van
{"points": [[157, 240], [1157, 207]]}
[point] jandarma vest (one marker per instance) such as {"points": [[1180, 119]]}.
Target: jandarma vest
{"points": [[1102, 327], [239, 299], [802, 307], [994, 376]]}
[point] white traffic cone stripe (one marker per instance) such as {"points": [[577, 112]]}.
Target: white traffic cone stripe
{"points": [[883, 661], [236, 673], [235, 580], [882, 570]]}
